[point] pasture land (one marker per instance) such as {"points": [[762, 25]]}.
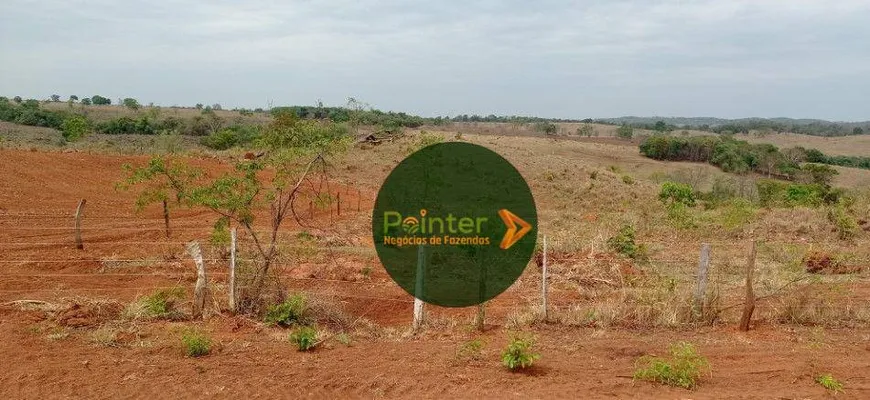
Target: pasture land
{"points": [[68, 314]]}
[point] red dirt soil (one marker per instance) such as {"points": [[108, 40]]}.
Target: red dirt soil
{"points": [[39, 192]]}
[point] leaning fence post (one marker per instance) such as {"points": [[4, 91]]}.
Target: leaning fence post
{"points": [[232, 278], [749, 303], [701, 290], [418, 289], [199, 290], [79, 210], [544, 281]]}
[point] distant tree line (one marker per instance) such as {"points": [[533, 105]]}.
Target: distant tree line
{"points": [[75, 123], [745, 126], [369, 116]]}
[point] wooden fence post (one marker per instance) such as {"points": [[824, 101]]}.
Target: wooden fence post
{"points": [[749, 303], [79, 210], [166, 217], [418, 289], [338, 203], [544, 282], [232, 279], [479, 319], [358, 199], [701, 290], [199, 291]]}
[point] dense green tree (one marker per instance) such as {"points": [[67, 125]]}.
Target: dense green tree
{"points": [[819, 174], [815, 156], [98, 100], [131, 103], [74, 128]]}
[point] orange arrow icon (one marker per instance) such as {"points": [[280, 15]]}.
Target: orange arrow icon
{"points": [[511, 236]]}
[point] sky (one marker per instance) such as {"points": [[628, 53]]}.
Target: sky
{"points": [[561, 59]]}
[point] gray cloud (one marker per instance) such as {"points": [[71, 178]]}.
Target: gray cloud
{"points": [[736, 58]]}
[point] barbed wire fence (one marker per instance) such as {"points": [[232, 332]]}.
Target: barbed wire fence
{"points": [[702, 271]]}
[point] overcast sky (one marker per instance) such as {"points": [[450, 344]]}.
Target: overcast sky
{"points": [[571, 59]]}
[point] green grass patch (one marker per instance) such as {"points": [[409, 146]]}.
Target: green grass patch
{"points": [[683, 369], [304, 337], [829, 382], [290, 312], [196, 343]]}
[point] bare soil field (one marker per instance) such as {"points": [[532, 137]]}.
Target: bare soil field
{"points": [[59, 303]]}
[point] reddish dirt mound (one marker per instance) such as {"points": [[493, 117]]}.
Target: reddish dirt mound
{"points": [[823, 263], [78, 315]]}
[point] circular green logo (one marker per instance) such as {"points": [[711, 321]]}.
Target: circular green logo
{"points": [[455, 224]]}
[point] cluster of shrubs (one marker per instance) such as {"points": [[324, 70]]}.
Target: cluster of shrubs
{"points": [[236, 135], [294, 312], [740, 156], [816, 156], [740, 203], [29, 113], [773, 193]]}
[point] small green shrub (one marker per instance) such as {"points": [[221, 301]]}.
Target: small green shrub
{"points": [[846, 225], [304, 337], [291, 311], [627, 180], [829, 382], [196, 343], [160, 304], [220, 234], [683, 369], [681, 193], [624, 243], [471, 350], [518, 354], [343, 338]]}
